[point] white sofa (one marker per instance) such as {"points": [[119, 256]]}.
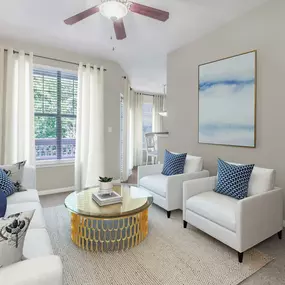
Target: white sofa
{"points": [[167, 190], [240, 224], [39, 265]]}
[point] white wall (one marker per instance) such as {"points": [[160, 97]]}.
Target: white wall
{"points": [[63, 176], [261, 29]]}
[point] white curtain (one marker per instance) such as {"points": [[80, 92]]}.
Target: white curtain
{"points": [[136, 128], [158, 104], [89, 160], [132, 130], [127, 167], [17, 107]]}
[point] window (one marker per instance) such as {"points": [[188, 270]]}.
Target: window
{"points": [[55, 94], [147, 117]]}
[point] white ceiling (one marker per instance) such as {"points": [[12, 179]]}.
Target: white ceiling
{"points": [[143, 54]]}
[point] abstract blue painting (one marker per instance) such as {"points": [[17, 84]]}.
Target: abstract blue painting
{"points": [[227, 99]]}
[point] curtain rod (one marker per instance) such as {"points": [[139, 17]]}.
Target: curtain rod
{"points": [[54, 59], [142, 93], [146, 94]]}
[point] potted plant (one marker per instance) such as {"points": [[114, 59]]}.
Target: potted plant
{"points": [[106, 183]]}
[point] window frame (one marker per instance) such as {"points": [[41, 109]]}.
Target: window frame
{"points": [[58, 117]]}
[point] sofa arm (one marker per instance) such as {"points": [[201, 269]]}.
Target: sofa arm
{"points": [[195, 187], [258, 217], [38, 271], [29, 177], [174, 192], [148, 170]]}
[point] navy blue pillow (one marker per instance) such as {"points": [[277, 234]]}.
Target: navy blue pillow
{"points": [[233, 179], [173, 163], [3, 204], [6, 185]]}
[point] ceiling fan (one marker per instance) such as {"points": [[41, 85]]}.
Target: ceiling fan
{"points": [[116, 10]]}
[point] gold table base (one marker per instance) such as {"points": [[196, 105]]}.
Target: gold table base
{"points": [[101, 235]]}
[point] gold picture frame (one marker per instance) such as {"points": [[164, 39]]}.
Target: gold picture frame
{"points": [[218, 80]]}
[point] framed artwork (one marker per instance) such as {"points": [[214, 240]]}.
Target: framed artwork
{"points": [[227, 101]]}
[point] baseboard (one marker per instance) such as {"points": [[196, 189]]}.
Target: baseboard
{"points": [[56, 191]]}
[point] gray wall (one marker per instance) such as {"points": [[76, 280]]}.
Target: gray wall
{"points": [[55, 177], [63, 176], [261, 29]]}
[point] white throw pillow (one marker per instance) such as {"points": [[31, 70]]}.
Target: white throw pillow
{"points": [[12, 236], [193, 164], [261, 180]]}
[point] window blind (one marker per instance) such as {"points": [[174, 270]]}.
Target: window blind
{"points": [[55, 105]]}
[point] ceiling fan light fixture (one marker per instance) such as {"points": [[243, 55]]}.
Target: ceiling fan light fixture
{"points": [[114, 9]]}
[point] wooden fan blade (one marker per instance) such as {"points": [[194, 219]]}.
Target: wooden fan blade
{"points": [[120, 29], [81, 16], [149, 12]]}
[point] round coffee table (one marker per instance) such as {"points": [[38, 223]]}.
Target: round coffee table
{"points": [[109, 228]]}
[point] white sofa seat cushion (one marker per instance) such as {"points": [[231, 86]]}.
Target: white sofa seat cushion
{"points": [[215, 207], [23, 197], [37, 222], [37, 244], [156, 183], [45, 270]]}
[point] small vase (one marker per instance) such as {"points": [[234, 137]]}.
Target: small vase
{"points": [[106, 186]]}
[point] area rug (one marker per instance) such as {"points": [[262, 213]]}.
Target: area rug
{"points": [[170, 255]]}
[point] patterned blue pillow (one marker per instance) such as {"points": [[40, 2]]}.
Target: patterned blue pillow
{"points": [[233, 179], [173, 163], [6, 185]]}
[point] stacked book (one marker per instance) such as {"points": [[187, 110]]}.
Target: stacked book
{"points": [[104, 199]]}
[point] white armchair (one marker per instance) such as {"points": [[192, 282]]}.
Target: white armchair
{"points": [[167, 190], [240, 224]]}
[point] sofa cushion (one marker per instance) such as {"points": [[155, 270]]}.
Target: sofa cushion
{"points": [[156, 183], [219, 209], [261, 180], [23, 197], [233, 180], [37, 244], [173, 163], [193, 164], [37, 222]]}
